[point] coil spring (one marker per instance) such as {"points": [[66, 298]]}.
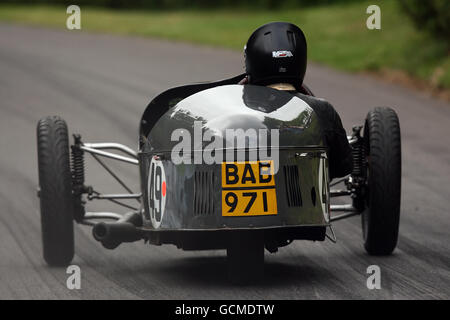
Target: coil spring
{"points": [[77, 167], [358, 158]]}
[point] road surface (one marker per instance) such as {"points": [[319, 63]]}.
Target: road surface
{"points": [[101, 84]]}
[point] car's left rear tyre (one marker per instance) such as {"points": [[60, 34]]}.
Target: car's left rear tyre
{"points": [[55, 193]]}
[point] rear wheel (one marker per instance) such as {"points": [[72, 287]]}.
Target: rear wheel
{"points": [[55, 191], [245, 255], [380, 220]]}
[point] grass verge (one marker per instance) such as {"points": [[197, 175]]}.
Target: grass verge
{"points": [[337, 34]]}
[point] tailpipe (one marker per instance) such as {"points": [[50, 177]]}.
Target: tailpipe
{"points": [[112, 234]]}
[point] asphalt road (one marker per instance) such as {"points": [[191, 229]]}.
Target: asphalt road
{"points": [[101, 84]]}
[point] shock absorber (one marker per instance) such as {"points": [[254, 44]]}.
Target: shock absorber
{"points": [[78, 188], [77, 163], [358, 153], [358, 175]]}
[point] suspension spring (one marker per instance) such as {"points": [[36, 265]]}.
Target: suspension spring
{"points": [[77, 165], [358, 153], [78, 188], [358, 157]]}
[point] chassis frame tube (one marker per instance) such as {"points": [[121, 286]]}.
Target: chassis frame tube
{"points": [[348, 209], [109, 155], [112, 145], [115, 196]]}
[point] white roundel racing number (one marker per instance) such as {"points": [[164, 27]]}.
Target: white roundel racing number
{"points": [[157, 191]]}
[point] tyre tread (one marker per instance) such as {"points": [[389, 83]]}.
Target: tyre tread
{"points": [[55, 191], [383, 214]]}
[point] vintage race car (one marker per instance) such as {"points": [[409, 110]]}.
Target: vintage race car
{"points": [[224, 166]]}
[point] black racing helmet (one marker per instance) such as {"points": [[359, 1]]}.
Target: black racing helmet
{"points": [[275, 53]]}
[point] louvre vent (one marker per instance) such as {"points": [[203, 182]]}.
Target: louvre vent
{"points": [[203, 192], [291, 177]]}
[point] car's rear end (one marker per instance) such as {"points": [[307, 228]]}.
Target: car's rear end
{"points": [[268, 175]]}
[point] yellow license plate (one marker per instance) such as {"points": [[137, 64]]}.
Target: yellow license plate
{"points": [[248, 188]]}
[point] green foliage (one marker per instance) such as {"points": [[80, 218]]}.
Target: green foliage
{"points": [[431, 15]]}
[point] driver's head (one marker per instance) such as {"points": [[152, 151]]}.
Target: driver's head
{"points": [[276, 53]]}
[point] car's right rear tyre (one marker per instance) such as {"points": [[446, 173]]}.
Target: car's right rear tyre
{"points": [[55, 191], [245, 257], [380, 220]]}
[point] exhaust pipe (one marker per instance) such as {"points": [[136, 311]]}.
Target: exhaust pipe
{"points": [[112, 234]]}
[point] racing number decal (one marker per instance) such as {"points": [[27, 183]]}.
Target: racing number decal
{"points": [[157, 191], [248, 189]]}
